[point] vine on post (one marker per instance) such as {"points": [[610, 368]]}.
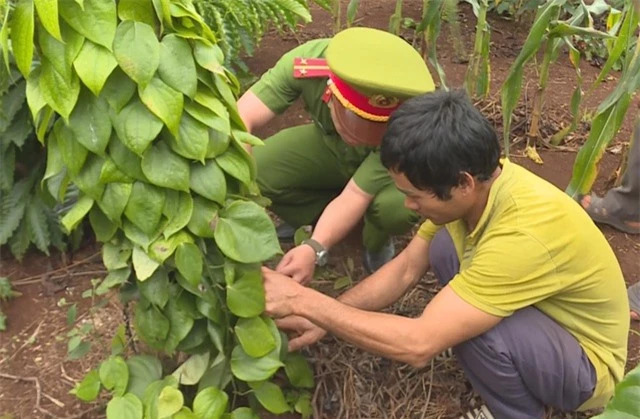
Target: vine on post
{"points": [[135, 107]]}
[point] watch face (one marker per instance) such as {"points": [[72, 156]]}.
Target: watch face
{"points": [[322, 257]]}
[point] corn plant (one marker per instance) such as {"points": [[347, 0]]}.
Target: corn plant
{"points": [[396, 19], [547, 34], [433, 12], [478, 73], [609, 115], [145, 123]]}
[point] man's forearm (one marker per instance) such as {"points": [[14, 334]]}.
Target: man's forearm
{"points": [[384, 287], [338, 219], [391, 336]]}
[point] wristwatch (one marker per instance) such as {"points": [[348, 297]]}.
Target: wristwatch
{"points": [[321, 253]]}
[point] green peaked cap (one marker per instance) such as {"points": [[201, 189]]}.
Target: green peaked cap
{"points": [[376, 62]]}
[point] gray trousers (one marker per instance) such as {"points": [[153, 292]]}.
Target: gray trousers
{"points": [[524, 363]]}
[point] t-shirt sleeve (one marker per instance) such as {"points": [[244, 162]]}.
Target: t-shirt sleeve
{"points": [[278, 88], [427, 230], [371, 176], [510, 272]]}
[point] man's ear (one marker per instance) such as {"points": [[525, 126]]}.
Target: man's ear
{"points": [[466, 183]]}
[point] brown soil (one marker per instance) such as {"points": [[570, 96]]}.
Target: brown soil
{"points": [[349, 382]]}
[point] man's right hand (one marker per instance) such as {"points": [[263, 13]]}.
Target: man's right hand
{"points": [[298, 263], [306, 332]]}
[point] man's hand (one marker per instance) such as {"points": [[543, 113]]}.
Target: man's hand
{"points": [[298, 263], [306, 333], [280, 292]]}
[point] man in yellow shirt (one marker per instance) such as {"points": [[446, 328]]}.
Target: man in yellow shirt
{"points": [[533, 304]]}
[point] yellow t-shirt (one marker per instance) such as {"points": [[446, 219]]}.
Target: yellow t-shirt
{"points": [[534, 245]]}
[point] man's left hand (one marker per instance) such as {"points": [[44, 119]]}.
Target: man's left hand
{"points": [[281, 292]]}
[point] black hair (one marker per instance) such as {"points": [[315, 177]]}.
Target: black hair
{"points": [[433, 138]]}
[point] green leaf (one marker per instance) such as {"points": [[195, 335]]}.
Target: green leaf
{"points": [[210, 403], [177, 67], [178, 210], [73, 153], [110, 173], [181, 323], [235, 164], [193, 139], [77, 348], [137, 127], [88, 180], [211, 309], [144, 208], [141, 11], [156, 288], [196, 340], [254, 336], [35, 100], [89, 388], [603, 128], [137, 50], [48, 15], [162, 248], [114, 375], [143, 370], [208, 180], [247, 368], [126, 160], [151, 325], [94, 64], [101, 225], [170, 401], [71, 219], [192, 370], [116, 256], [203, 218], [61, 53], [119, 89], [243, 413], [185, 413], [298, 370], [245, 233], [115, 277], [624, 404], [126, 407], [139, 237], [189, 262], [95, 19], [164, 168], [271, 397], [209, 118], [245, 297], [143, 264], [303, 405], [22, 28], [165, 102], [119, 339], [151, 394], [115, 199], [90, 123], [60, 92], [218, 375], [37, 226], [209, 56]]}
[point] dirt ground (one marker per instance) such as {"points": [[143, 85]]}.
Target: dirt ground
{"points": [[35, 376]]}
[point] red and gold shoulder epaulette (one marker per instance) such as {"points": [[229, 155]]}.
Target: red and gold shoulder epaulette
{"points": [[310, 68]]}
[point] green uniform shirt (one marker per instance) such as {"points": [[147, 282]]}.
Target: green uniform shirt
{"points": [[534, 245], [278, 89]]}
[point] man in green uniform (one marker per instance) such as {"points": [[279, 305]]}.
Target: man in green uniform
{"points": [[329, 172]]}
